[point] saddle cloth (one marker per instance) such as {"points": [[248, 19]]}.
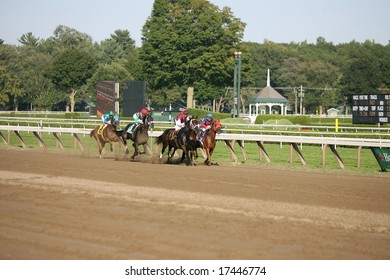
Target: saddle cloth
{"points": [[101, 129], [171, 135]]}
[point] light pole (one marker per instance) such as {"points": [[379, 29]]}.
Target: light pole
{"points": [[237, 82]]}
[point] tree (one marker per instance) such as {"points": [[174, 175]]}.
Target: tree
{"points": [[66, 38], [120, 48], [29, 39], [362, 76], [70, 71], [186, 42], [12, 89]]}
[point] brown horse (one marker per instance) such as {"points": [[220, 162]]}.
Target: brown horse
{"points": [[209, 141], [108, 135]]}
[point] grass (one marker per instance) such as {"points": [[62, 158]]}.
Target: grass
{"points": [[279, 154]]}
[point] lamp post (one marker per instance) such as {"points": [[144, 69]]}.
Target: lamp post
{"points": [[237, 82]]}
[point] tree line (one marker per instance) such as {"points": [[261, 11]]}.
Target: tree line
{"points": [[187, 44]]}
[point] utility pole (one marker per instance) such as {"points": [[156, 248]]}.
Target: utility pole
{"points": [[300, 101], [237, 84]]}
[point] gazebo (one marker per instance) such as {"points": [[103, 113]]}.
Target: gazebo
{"points": [[267, 101]]}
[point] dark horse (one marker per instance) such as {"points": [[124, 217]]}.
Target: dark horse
{"points": [[192, 126], [108, 135], [209, 141], [139, 136], [180, 142]]}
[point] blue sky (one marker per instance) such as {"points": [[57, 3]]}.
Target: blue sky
{"points": [[281, 21]]}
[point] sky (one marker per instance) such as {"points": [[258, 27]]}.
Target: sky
{"points": [[280, 21]]}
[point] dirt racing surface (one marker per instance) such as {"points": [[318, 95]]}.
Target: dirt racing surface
{"points": [[73, 206]]}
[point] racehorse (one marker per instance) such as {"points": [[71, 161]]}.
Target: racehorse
{"points": [[108, 134], [139, 136], [192, 126], [209, 141], [180, 142]]}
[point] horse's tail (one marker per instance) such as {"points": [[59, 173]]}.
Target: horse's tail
{"points": [[159, 139]]}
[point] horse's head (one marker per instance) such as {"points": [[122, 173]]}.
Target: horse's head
{"points": [[192, 123], [217, 126], [148, 121], [115, 121]]}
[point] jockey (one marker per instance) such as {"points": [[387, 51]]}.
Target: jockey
{"points": [[180, 121], [205, 124], [107, 119], [138, 116]]}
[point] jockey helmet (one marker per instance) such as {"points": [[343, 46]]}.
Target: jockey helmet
{"points": [[144, 111], [111, 113], [209, 115]]}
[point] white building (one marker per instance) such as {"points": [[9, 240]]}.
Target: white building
{"points": [[268, 101]]}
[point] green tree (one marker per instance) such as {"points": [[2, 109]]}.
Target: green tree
{"points": [[12, 79], [362, 76], [186, 42], [70, 71], [66, 38], [120, 48], [29, 39]]}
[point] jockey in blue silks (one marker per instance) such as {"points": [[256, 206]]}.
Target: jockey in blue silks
{"points": [[205, 124], [109, 118]]}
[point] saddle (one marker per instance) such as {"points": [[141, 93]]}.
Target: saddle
{"points": [[101, 129], [132, 128]]}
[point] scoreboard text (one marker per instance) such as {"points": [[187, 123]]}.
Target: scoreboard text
{"points": [[371, 108]]}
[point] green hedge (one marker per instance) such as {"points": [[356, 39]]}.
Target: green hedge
{"points": [[330, 121], [302, 120], [202, 113]]}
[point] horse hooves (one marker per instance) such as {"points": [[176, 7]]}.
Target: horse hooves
{"points": [[142, 152]]}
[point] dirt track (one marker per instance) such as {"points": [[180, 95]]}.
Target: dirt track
{"points": [[62, 206]]}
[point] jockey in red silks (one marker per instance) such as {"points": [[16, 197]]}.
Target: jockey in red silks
{"points": [[180, 121], [137, 117], [205, 124]]}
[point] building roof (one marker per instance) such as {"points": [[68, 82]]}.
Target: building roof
{"points": [[268, 95]]}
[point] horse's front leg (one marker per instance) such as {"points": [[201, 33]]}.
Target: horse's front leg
{"points": [[135, 145], [147, 148], [192, 157], [101, 146], [124, 143], [208, 159], [171, 155]]}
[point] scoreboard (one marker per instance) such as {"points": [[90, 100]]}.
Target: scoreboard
{"points": [[371, 108]]}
